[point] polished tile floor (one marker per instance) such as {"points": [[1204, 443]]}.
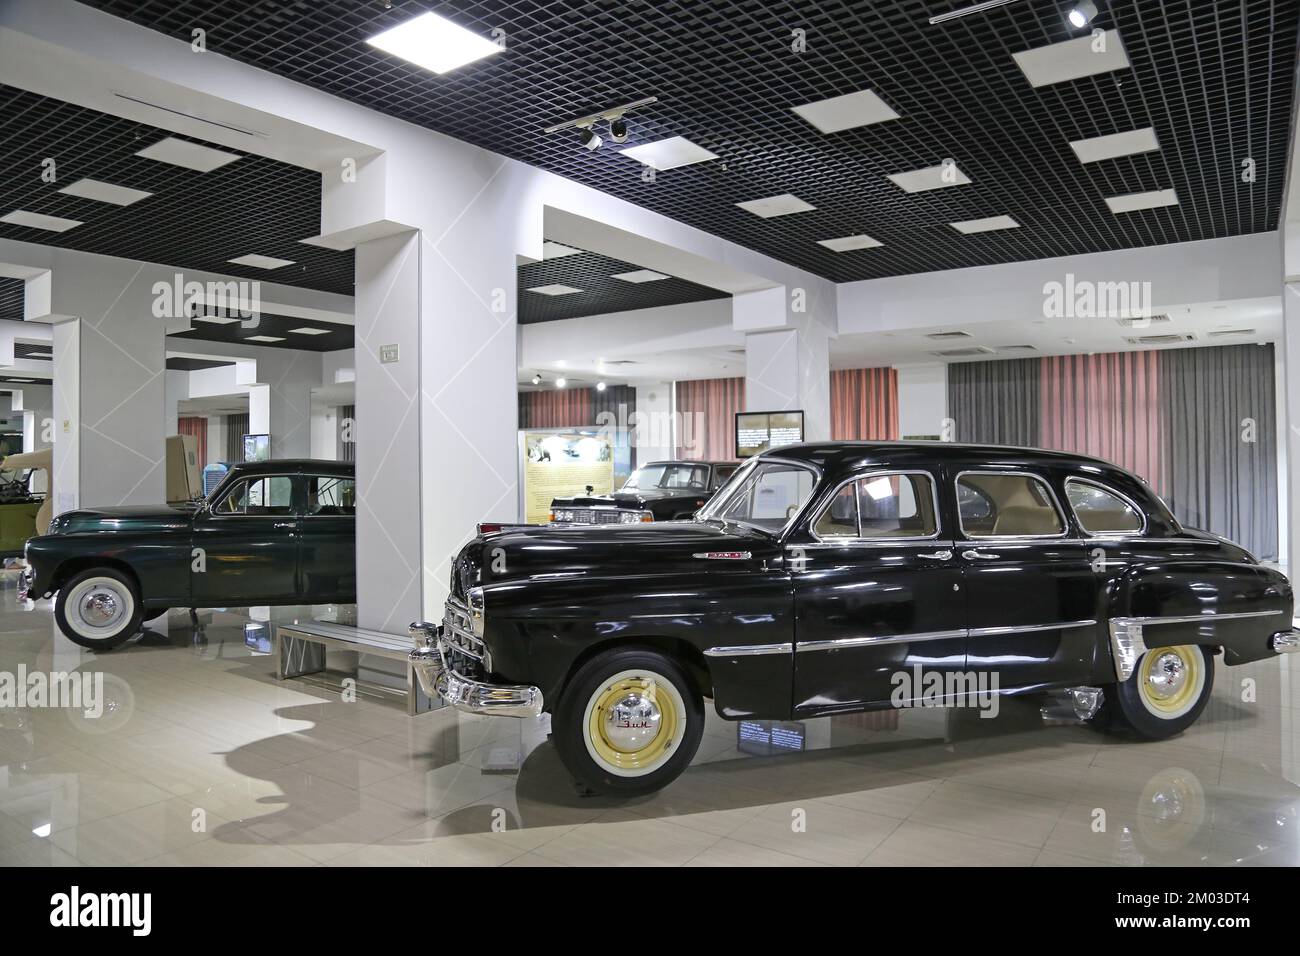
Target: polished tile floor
{"points": [[204, 758]]}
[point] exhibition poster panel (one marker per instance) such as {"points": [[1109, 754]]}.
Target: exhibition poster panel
{"points": [[563, 465]]}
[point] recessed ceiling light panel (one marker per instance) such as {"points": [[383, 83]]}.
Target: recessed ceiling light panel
{"points": [[1115, 144], [556, 250], [260, 262], [969, 226], [783, 205], [178, 152], [434, 43], [932, 177], [846, 112], [640, 275], [308, 330], [1073, 59], [215, 319], [554, 288], [850, 243], [264, 338], [669, 153], [105, 192], [1148, 200], [37, 220]]}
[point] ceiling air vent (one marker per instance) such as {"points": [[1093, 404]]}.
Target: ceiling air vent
{"points": [[947, 336], [1218, 332], [1141, 322], [1016, 348], [1169, 338], [960, 353]]}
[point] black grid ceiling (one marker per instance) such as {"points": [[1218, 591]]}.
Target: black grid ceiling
{"points": [[337, 336], [1213, 77], [194, 220], [178, 364], [12, 295], [601, 293]]}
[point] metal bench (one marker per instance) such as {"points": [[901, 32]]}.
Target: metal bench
{"points": [[300, 649]]}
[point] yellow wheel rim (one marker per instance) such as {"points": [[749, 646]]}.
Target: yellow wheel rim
{"points": [[634, 723], [1170, 679]]}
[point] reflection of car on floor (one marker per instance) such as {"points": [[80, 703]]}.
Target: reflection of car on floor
{"points": [[658, 491], [822, 577], [273, 532]]}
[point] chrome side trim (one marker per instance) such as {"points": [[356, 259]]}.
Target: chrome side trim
{"points": [[1128, 643], [1198, 618], [749, 650], [841, 643], [1029, 628]]}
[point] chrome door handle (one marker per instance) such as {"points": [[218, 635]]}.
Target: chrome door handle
{"points": [[284, 524], [979, 556], [937, 555]]}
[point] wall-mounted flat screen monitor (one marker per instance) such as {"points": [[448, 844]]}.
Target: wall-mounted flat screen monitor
{"points": [[758, 431], [257, 448]]}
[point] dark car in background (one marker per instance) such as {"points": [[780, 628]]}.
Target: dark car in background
{"points": [[658, 491], [272, 533], [822, 577]]}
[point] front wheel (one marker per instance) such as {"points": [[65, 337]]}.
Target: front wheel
{"points": [[1166, 693], [628, 723], [98, 609]]}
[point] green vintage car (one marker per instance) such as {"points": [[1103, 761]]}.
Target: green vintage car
{"points": [[272, 533]]}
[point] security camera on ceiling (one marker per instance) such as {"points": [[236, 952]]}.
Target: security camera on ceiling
{"points": [[614, 116]]}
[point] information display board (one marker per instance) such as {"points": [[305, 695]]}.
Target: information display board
{"points": [[562, 464], [758, 431]]}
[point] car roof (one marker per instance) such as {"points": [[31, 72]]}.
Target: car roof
{"points": [[687, 461], [841, 454], [311, 466]]}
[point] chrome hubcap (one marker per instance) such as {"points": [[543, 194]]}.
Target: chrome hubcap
{"points": [[1167, 675], [99, 608], [632, 722]]}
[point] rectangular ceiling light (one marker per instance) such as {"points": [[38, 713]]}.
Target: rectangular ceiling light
{"points": [[556, 250], [1072, 59], [215, 319], [37, 220], [554, 288], [969, 226], [308, 330], [669, 153], [178, 152], [1115, 144], [932, 177], [782, 205], [640, 275], [849, 243], [846, 112], [105, 192], [1148, 200], [264, 338], [434, 43], [260, 262]]}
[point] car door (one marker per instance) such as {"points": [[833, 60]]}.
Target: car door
{"points": [[327, 532], [878, 592], [248, 538], [1031, 593]]}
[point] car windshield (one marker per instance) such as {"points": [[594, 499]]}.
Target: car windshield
{"points": [[763, 494], [667, 475]]}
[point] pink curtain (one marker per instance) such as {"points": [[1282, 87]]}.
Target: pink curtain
{"points": [[1105, 405], [864, 404], [198, 427], [707, 413], [558, 408]]}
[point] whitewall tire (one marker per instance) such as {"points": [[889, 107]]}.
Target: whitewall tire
{"points": [[98, 608]]}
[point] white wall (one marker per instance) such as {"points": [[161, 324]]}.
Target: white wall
{"points": [[922, 399]]}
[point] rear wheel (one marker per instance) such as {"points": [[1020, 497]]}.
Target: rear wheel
{"points": [[1166, 693], [98, 608], [628, 723]]}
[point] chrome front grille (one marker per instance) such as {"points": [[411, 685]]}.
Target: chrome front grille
{"points": [[594, 515], [466, 653]]}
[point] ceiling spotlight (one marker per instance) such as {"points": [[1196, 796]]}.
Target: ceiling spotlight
{"points": [[600, 386], [537, 380], [613, 115], [589, 138], [561, 382], [618, 130], [1081, 14]]}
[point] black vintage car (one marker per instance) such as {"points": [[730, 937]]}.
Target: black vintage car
{"points": [[822, 577], [658, 491], [273, 532]]}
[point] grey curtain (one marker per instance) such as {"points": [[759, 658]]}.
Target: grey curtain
{"points": [[1221, 442], [995, 403], [347, 449], [236, 429]]}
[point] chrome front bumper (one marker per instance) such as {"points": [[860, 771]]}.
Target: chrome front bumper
{"points": [[26, 581], [1285, 642], [438, 679]]}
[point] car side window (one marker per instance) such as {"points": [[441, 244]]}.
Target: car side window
{"points": [[998, 504], [270, 495], [721, 474], [881, 506], [1100, 510], [331, 495]]}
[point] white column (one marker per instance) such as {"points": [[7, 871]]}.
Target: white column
{"points": [[922, 399], [787, 355], [1290, 384]]}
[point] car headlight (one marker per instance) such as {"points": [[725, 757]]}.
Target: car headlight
{"points": [[562, 514], [634, 517], [477, 611]]}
